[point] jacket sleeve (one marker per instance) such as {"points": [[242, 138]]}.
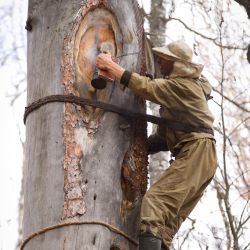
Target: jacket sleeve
{"points": [[156, 90]]}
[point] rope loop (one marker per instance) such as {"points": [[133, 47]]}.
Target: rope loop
{"points": [[74, 223], [115, 109]]}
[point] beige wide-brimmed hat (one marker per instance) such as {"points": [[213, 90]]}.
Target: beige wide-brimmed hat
{"points": [[182, 55], [175, 51]]}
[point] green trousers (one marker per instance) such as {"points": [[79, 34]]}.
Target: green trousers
{"points": [[172, 198]]}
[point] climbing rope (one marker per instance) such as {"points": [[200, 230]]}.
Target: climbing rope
{"points": [[110, 227], [113, 108]]}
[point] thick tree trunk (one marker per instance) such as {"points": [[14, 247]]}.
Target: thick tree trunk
{"points": [[82, 164]]}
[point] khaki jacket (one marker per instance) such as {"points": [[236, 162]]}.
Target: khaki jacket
{"points": [[182, 99]]}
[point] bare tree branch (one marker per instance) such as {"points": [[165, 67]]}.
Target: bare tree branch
{"points": [[214, 40], [188, 233], [232, 101], [238, 125], [243, 222], [220, 198]]}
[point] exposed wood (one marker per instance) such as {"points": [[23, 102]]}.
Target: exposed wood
{"points": [[81, 163]]}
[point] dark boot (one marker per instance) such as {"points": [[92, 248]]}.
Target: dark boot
{"points": [[164, 247], [149, 242]]}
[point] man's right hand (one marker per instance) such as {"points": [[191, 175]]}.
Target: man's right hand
{"points": [[105, 62]]}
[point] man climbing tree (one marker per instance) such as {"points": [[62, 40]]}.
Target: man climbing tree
{"points": [[182, 94]]}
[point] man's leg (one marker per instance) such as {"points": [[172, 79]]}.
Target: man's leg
{"points": [[194, 166], [173, 226]]}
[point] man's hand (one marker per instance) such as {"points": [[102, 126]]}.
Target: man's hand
{"points": [[104, 62]]}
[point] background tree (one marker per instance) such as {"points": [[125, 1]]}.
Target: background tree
{"points": [[12, 99]]}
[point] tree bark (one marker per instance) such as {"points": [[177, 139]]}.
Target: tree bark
{"points": [[82, 164]]}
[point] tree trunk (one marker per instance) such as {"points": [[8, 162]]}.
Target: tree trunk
{"points": [[158, 162], [157, 22], [82, 164]]}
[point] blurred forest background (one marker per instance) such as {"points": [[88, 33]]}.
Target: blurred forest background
{"points": [[219, 32]]}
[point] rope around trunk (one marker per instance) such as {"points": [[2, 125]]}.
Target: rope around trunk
{"points": [[110, 227], [115, 109]]}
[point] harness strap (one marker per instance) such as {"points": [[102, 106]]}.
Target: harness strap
{"points": [[115, 109]]}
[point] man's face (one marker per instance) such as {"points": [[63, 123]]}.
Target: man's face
{"points": [[166, 66]]}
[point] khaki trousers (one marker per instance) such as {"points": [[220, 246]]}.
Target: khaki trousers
{"points": [[172, 198]]}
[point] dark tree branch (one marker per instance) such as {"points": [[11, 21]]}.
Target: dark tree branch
{"points": [[246, 247]]}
